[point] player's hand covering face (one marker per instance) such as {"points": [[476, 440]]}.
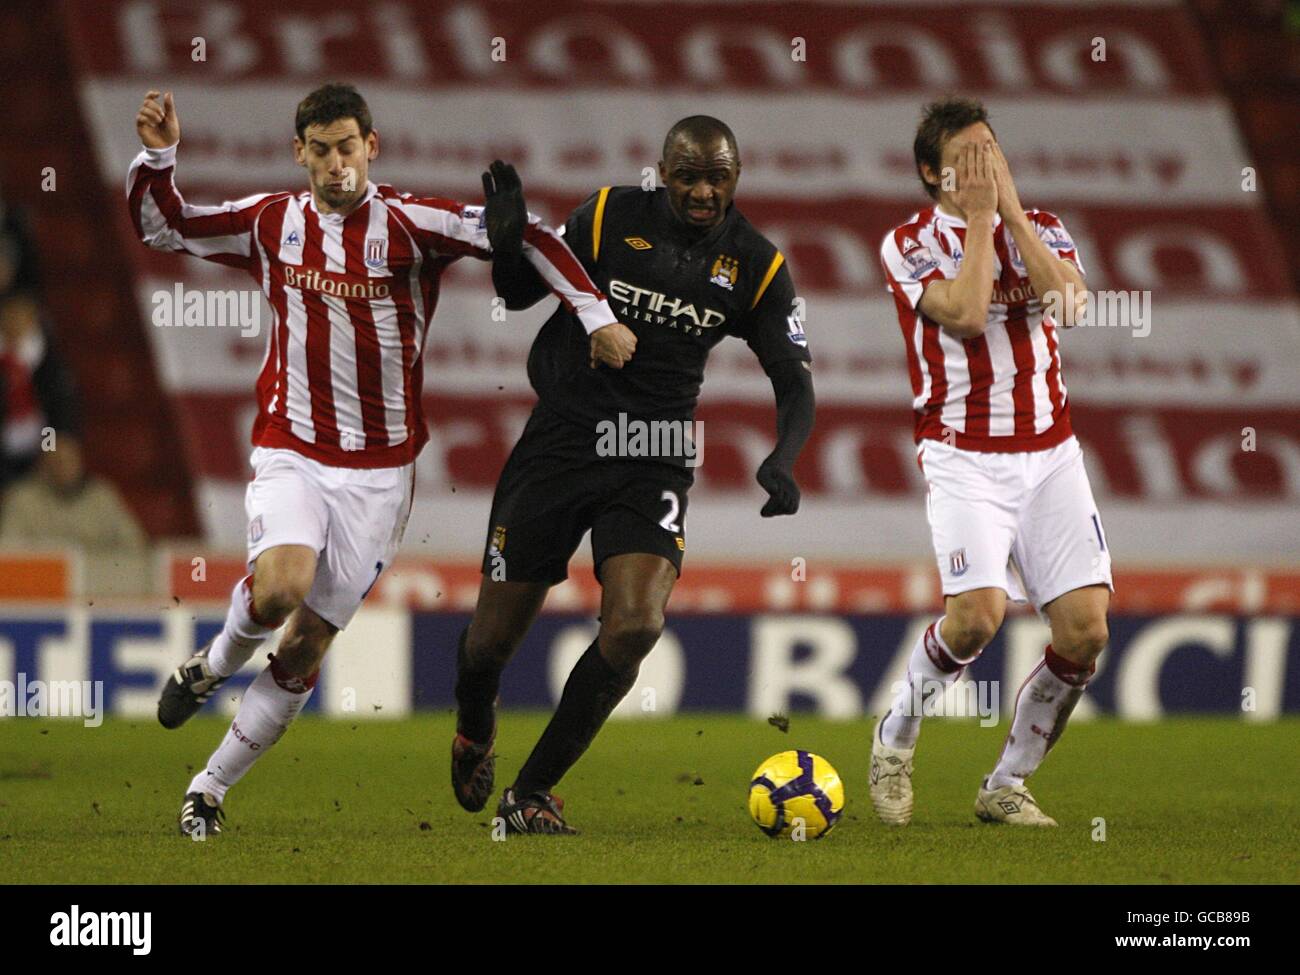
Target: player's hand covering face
{"points": [[1008, 199], [700, 179], [158, 125], [504, 211], [969, 155], [612, 345]]}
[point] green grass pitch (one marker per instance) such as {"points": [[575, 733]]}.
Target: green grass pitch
{"points": [[1190, 800]]}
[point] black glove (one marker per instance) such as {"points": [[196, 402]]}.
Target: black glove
{"points": [[504, 211], [783, 492]]}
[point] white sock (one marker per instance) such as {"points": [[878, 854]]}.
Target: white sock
{"points": [[930, 670], [1043, 706], [270, 704], [242, 634]]}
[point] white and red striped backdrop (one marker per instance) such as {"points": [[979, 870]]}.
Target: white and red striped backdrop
{"points": [[1138, 153]]}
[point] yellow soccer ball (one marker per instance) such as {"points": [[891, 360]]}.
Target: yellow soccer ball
{"points": [[796, 790]]}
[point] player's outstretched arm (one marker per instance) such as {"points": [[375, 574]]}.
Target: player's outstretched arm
{"points": [[796, 410], [519, 276], [160, 215], [448, 228], [774, 331], [517, 281], [568, 279], [505, 214]]}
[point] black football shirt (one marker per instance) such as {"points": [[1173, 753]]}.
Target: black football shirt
{"points": [[681, 294]]}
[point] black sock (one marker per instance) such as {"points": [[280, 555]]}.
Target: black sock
{"points": [[592, 691], [476, 694]]}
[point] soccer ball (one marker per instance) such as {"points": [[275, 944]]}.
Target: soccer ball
{"points": [[796, 790]]}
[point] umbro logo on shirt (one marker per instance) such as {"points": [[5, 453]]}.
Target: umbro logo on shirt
{"points": [[638, 243]]}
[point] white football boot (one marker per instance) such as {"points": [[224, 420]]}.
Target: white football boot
{"points": [[1010, 804], [891, 780]]}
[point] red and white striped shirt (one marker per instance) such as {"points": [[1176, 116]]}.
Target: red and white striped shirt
{"points": [[1001, 391], [351, 300]]}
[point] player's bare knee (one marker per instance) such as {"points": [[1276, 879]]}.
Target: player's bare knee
{"points": [[277, 593], [277, 603], [971, 627], [1083, 640], [492, 639], [973, 620], [485, 646], [627, 635]]}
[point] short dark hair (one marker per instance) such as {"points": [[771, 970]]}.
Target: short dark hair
{"points": [[940, 121], [700, 128], [329, 103]]}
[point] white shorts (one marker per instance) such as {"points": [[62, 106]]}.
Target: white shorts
{"points": [[352, 518], [1022, 522]]}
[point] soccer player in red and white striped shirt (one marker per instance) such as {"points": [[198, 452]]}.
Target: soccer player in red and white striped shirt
{"points": [[351, 272], [975, 279]]}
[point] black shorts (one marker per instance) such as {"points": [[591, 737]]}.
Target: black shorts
{"points": [[554, 489]]}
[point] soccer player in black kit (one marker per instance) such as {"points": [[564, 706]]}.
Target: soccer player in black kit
{"points": [[682, 269]]}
